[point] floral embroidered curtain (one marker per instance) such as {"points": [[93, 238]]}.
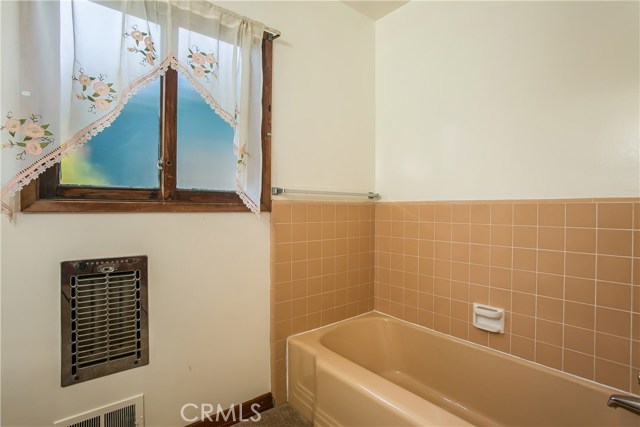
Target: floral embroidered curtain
{"points": [[69, 67]]}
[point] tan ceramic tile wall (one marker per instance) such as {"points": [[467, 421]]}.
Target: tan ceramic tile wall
{"points": [[567, 273], [322, 271]]}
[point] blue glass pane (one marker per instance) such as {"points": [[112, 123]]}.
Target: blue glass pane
{"points": [[205, 144], [126, 153]]}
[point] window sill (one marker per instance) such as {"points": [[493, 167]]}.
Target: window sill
{"points": [[91, 206], [32, 203]]}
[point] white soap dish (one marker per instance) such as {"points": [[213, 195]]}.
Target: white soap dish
{"points": [[488, 318]]}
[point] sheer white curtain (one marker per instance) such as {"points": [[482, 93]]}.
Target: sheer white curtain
{"points": [[79, 62]]}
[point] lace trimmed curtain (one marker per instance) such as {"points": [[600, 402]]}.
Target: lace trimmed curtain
{"points": [[69, 67]]}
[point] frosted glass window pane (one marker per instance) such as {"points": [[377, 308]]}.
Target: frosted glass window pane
{"points": [[126, 153], [205, 144]]}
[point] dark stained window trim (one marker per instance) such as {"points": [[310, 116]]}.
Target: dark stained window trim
{"points": [[45, 195]]}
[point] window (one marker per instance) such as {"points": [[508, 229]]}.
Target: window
{"points": [[175, 154], [134, 164]]}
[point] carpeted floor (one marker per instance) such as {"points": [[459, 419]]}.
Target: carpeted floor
{"points": [[280, 416]]}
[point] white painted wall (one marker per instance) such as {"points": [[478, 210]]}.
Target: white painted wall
{"points": [[208, 311], [501, 100], [209, 290]]}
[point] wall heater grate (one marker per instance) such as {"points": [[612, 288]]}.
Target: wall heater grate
{"points": [[104, 317], [126, 413]]}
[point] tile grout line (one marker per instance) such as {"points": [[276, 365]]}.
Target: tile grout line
{"points": [[469, 302], [513, 215], [595, 291], [435, 257], [450, 223], [307, 278], [564, 287], [535, 321], [491, 288], [631, 328]]}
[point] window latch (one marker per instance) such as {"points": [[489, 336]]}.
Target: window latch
{"points": [[161, 163]]}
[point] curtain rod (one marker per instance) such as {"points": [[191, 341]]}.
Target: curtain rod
{"points": [[277, 191], [273, 33]]}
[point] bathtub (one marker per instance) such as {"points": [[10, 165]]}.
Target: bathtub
{"points": [[374, 370]]}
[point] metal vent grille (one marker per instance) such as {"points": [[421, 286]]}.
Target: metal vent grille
{"points": [[107, 319], [126, 413], [104, 317], [91, 422], [125, 417]]}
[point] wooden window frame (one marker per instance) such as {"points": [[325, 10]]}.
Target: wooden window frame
{"points": [[44, 194]]}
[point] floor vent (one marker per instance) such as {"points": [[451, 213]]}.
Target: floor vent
{"points": [[126, 413], [104, 317]]}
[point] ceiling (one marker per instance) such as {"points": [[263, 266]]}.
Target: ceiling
{"points": [[375, 9]]}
